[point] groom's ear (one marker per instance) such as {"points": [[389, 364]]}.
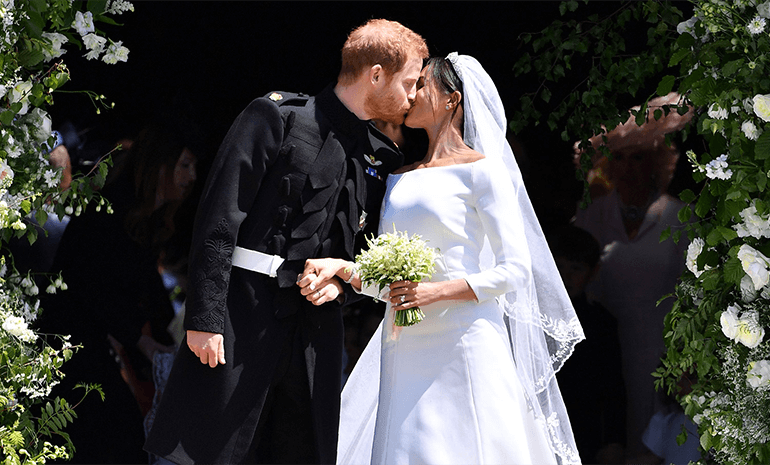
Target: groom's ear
{"points": [[376, 75]]}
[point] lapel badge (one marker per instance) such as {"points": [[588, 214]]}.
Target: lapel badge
{"points": [[275, 96], [362, 221], [373, 173], [371, 160]]}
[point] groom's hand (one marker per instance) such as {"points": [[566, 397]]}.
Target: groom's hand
{"points": [[208, 347]]}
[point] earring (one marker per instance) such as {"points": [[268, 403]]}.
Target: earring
{"points": [[447, 107]]}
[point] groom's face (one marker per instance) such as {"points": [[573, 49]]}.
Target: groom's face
{"points": [[391, 102]]}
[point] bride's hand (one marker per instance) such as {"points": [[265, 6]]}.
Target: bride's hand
{"points": [[409, 294]]}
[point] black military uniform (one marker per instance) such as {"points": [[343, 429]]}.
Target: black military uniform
{"points": [[298, 177]]}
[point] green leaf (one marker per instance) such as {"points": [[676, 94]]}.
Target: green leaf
{"points": [[705, 203], [665, 85], [762, 147], [684, 214], [678, 56], [733, 270], [687, 196], [665, 234], [732, 66], [97, 7]]}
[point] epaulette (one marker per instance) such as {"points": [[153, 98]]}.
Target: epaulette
{"points": [[291, 98]]}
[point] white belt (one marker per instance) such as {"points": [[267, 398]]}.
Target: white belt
{"points": [[256, 261]]}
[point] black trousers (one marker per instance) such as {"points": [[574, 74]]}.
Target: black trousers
{"points": [[285, 430]]}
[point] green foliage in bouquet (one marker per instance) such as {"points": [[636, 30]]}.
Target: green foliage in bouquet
{"points": [[717, 362], [396, 256], [32, 40]]}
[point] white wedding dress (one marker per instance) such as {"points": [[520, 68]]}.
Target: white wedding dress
{"points": [[446, 391]]}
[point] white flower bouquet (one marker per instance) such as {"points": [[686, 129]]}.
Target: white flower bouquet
{"points": [[395, 256]]}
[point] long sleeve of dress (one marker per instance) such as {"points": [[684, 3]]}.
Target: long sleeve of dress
{"points": [[250, 147], [494, 198]]}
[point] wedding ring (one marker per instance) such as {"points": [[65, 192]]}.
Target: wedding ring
{"points": [[403, 298], [318, 294]]}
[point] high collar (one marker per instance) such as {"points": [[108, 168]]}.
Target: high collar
{"points": [[343, 120]]}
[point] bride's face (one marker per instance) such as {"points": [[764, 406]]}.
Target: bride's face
{"points": [[425, 107]]}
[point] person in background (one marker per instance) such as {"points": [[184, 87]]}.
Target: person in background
{"points": [[630, 210], [591, 381], [116, 305]]}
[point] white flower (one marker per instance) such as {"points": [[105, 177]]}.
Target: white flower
{"points": [[748, 293], [51, 289], [6, 175], [94, 42], [115, 52], [68, 209], [750, 333], [729, 321], [84, 23], [117, 7], [52, 178], [717, 112], [20, 93], [763, 10], [55, 50], [715, 169], [755, 265], [693, 251], [16, 326], [753, 225], [756, 25], [750, 130], [687, 26], [41, 124], [758, 375], [761, 106]]}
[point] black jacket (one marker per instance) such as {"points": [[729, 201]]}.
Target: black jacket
{"points": [[293, 177]]}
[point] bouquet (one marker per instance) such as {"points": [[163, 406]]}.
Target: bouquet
{"points": [[392, 257]]}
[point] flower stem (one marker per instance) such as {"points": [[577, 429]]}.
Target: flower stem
{"points": [[409, 317]]}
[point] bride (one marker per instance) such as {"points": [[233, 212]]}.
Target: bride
{"points": [[474, 381]]}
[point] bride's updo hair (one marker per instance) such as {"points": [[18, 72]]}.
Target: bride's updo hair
{"points": [[442, 73]]}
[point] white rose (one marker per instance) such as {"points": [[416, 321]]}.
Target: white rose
{"points": [[41, 124], [762, 106], [748, 293], [750, 130], [763, 9], [20, 93], [750, 333], [758, 375], [729, 321], [693, 251], [755, 265], [16, 326]]}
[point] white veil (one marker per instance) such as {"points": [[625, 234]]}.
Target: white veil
{"points": [[542, 321]]}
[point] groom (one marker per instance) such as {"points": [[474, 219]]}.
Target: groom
{"points": [[296, 177]]}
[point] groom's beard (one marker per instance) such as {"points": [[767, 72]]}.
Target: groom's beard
{"points": [[385, 106]]}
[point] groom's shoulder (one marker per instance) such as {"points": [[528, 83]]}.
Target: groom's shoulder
{"points": [[291, 100]]}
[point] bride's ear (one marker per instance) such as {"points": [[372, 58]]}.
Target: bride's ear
{"points": [[455, 98]]}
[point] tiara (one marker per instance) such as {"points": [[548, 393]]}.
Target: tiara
{"points": [[454, 58]]}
